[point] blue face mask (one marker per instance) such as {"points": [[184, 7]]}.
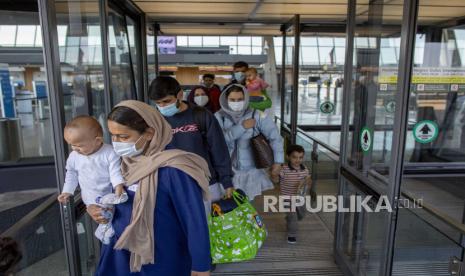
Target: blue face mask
{"points": [[169, 110], [239, 76]]}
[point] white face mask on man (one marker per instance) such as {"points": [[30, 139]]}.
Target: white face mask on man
{"points": [[236, 106], [128, 149]]}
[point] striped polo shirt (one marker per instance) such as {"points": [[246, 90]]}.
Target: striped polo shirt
{"points": [[290, 178]]}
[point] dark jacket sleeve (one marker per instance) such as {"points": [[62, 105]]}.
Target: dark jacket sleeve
{"points": [[218, 151], [186, 196]]}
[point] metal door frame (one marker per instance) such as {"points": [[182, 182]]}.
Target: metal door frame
{"points": [[295, 24], [48, 22]]}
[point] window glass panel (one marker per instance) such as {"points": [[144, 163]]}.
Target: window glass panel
{"points": [[8, 35], [388, 56], [122, 77], [62, 35], [25, 35], [195, 41], [27, 165], [257, 41], [244, 50], [38, 41], [131, 27], [361, 42], [228, 40], [244, 41], [309, 55], [211, 41], [308, 41], [182, 41], [94, 35], [340, 41], [325, 54], [257, 50], [279, 55], [325, 41]]}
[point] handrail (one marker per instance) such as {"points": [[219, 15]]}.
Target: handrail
{"points": [[27, 219], [318, 141], [436, 213]]}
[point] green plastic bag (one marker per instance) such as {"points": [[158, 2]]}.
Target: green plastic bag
{"points": [[262, 105], [237, 235]]}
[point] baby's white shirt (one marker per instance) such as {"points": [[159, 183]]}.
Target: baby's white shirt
{"points": [[96, 174]]}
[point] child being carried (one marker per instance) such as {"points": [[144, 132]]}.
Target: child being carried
{"points": [[96, 168], [257, 90]]}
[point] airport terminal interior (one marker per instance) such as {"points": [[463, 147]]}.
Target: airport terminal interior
{"points": [[374, 90]]}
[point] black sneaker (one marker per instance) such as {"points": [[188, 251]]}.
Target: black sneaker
{"points": [[291, 240]]}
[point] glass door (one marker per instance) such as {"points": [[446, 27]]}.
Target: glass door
{"points": [[289, 75], [368, 155], [434, 154], [121, 55]]}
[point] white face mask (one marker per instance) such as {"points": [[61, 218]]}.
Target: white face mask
{"points": [[236, 106], [127, 149], [201, 100]]}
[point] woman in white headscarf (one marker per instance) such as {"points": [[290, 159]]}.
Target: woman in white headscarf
{"points": [[240, 123]]}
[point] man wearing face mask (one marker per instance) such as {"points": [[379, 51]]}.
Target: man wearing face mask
{"points": [[195, 130], [213, 92], [239, 69]]}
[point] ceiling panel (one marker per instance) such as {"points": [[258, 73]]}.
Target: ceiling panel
{"points": [[189, 7], [441, 3], [450, 12], [307, 1], [303, 9]]}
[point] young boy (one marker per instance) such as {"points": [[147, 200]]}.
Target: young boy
{"points": [[95, 167], [292, 176]]}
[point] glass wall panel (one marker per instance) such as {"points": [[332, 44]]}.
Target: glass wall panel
{"points": [[151, 50], [320, 81], [372, 102], [362, 233], [29, 213], [132, 27], [122, 77], [288, 71], [435, 146], [81, 64]]}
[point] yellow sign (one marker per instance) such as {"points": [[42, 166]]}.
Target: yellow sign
{"points": [[429, 75]]}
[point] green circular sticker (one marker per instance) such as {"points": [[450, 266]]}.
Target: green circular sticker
{"points": [[390, 106], [366, 139], [327, 107], [425, 131]]}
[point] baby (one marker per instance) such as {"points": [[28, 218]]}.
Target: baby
{"points": [[257, 90], [95, 167]]}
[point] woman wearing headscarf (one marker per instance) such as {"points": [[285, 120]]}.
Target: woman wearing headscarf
{"points": [[199, 96], [240, 123], [161, 229]]}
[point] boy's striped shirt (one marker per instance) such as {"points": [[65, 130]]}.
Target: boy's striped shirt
{"points": [[290, 178]]}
